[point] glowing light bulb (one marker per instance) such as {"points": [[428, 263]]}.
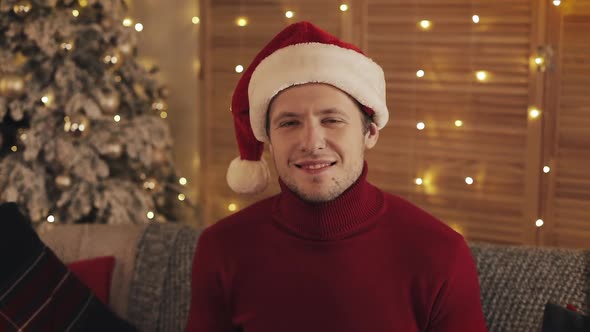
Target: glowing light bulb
{"points": [[475, 19], [163, 114], [50, 218], [539, 60], [458, 123], [421, 126], [181, 197], [556, 3], [242, 21], [343, 7], [419, 181], [117, 118], [425, 24], [232, 207], [481, 75], [420, 73], [534, 113], [183, 181], [239, 68], [150, 215], [75, 13], [14, 148], [289, 14], [138, 27], [469, 180], [127, 22], [546, 169], [196, 20], [539, 223]]}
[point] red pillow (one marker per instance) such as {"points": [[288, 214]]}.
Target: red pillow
{"points": [[96, 274]]}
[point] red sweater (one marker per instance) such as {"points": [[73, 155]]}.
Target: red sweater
{"points": [[367, 261]]}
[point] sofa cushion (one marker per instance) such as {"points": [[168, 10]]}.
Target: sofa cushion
{"points": [[517, 282], [38, 292], [96, 274]]}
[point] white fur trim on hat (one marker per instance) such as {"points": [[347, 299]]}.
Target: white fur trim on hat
{"points": [[247, 176], [346, 69]]}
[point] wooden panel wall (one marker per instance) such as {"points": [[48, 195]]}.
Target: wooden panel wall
{"points": [[499, 145]]}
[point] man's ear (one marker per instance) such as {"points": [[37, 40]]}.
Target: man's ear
{"points": [[371, 136]]}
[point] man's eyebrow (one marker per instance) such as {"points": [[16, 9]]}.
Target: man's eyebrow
{"points": [[332, 111], [283, 115]]}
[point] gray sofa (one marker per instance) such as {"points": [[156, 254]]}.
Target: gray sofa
{"points": [[151, 281]]}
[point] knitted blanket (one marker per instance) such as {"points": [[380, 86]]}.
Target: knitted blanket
{"points": [[160, 294]]}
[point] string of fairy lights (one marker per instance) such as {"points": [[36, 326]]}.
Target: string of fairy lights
{"points": [[482, 76], [539, 60]]}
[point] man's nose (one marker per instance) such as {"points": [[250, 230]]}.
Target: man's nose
{"points": [[312, 138]]}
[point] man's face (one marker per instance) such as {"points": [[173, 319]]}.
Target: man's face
{"points": [[317, 140]]}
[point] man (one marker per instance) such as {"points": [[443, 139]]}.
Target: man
{"points": [[331, 252]]}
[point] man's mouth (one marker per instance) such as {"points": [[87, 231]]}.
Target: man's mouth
{"points": [[312, 166]]}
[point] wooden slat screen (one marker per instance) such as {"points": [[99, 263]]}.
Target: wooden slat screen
{"points": [[498, 145], [490, 145], [570, 199]]}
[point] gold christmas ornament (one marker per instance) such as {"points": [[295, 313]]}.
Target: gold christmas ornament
{"points": [[19, 60], [164, 92], [113, 59], [63, 182], [67, 46], [22, 135], [159, 158], [77, 125], [161, 201], [22, 8], [109, 102], [12, 85], [126, 49], [151, 184], [159, 105], [114, 151], [139, 90]]}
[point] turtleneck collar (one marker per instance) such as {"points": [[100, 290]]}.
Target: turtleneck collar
{"points": [[351, 212]]}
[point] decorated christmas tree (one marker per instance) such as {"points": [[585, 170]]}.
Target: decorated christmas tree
{"points": [[82, 130]]}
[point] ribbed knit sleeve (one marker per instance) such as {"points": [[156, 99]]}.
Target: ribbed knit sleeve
{"points": [[209, 310], [458, 304]]}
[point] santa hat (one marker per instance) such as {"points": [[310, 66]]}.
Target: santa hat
{"points": [[301, 53]]}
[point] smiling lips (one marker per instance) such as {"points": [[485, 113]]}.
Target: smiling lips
{"points": [[315, 166]]}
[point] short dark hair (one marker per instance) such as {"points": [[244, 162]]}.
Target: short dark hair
{"points": [[365, 118]]}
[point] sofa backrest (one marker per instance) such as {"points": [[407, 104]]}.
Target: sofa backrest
{"points": [[516, 282], [151, 284]]}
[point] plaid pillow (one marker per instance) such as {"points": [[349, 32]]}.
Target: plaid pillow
{"points": [[38, 292]]}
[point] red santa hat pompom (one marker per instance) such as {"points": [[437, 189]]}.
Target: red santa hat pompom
{"points": [[301, 53]]}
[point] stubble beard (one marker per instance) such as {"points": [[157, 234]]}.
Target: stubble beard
{"points": [[335, 186]]}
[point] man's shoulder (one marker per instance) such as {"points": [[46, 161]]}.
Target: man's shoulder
{"points": [[415, 222], [245, 219]]}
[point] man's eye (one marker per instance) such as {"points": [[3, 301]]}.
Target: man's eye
{"points": [[287, 123], [332, 120]]}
